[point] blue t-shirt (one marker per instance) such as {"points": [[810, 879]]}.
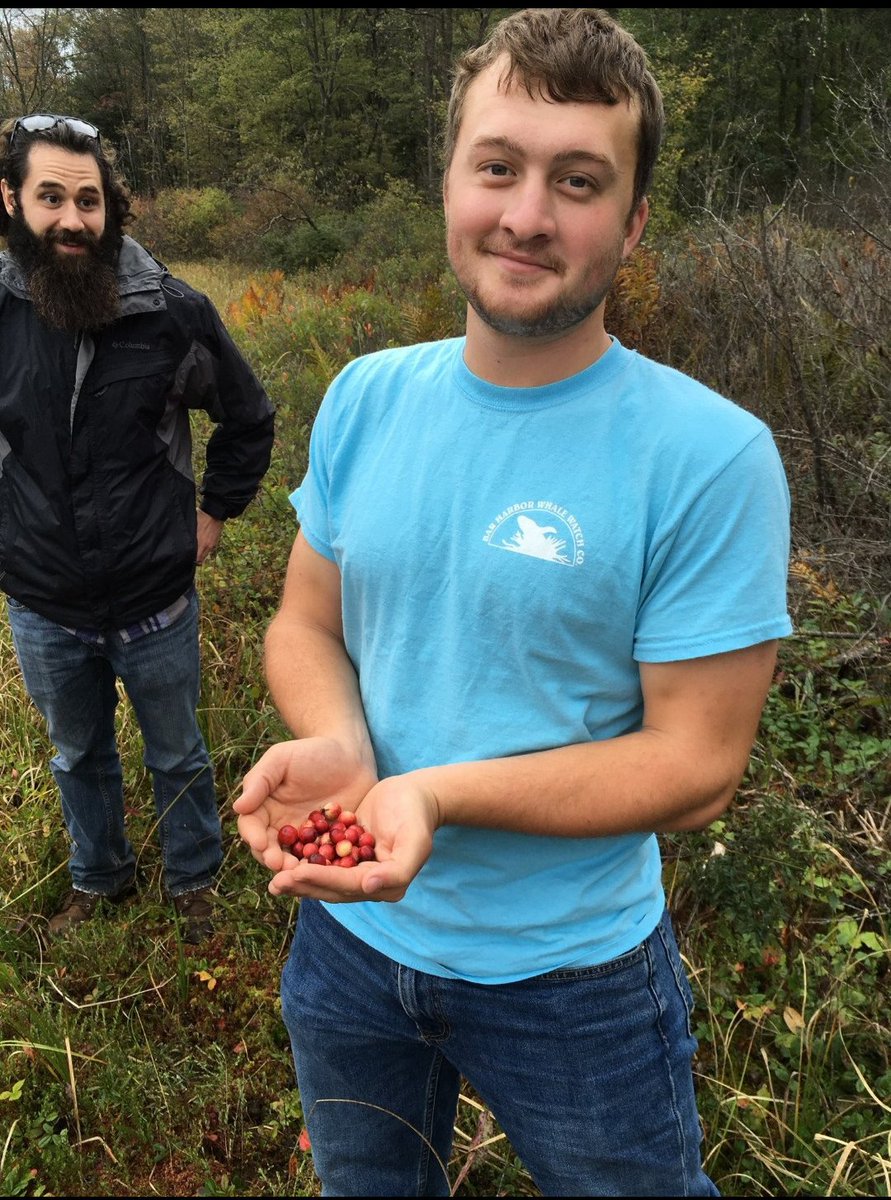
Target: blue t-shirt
{"points": [[508, 556]]}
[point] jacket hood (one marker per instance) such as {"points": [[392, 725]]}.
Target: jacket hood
{"points": [[136, 270]]}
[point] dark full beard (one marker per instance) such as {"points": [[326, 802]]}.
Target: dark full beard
{"points": [[71, 293]]}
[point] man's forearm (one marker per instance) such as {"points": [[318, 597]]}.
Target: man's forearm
{"points": [[314, 686], [638, 783], [679, 771]]}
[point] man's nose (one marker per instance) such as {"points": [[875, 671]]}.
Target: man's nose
{"points": [[71, 218], [529, 210]]}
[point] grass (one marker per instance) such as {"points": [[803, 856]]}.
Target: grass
{"points": [[133, 1064]]}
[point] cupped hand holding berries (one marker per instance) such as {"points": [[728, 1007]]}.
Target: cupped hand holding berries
{"points": [[287, 783], [402, 815]]}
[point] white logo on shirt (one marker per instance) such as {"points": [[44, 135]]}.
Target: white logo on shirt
{"points": [[539, 529]]}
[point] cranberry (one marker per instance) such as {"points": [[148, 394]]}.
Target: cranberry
{"points": [[287, 836], [329, 837]]}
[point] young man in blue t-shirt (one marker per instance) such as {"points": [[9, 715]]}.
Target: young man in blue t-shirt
{"points": [[529, 622]]}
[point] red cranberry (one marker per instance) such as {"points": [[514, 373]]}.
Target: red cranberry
{"points": [[287, 836]]}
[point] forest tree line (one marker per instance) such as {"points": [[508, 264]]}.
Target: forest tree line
{"points": [[342, 100]]}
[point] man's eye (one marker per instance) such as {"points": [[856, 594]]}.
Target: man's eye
{"points": [[498, 169], [579, 182]]}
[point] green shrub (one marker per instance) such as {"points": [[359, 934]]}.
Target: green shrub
{"points": [[399, 243], [302, 247], [182, 222]]}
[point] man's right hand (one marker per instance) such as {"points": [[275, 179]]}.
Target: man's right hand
{"points": [[287, 783]]}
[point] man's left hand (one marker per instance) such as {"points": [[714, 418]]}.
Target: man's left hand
{"points": [[209, 530]]}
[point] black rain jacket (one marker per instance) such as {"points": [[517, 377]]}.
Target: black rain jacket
{"points": [[97, 493]]}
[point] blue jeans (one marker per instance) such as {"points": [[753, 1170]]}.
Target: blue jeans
{"points": [[73, 684], [588, 1072]]}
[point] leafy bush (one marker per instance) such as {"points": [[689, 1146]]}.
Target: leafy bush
{"points": [[302, 247], [399, 243], [182, 222]]}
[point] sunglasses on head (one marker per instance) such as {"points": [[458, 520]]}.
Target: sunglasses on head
{"points": [[39, 122]]}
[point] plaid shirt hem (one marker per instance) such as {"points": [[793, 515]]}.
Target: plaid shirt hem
{"points": [[161, 620]]}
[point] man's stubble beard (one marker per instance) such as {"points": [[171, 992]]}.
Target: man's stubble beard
{"points": [[553, 318], [71, 293]]}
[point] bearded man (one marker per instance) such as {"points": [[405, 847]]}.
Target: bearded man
{"points": [[104, 354]]}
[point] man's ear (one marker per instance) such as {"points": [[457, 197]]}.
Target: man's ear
{"points": [[8, 197], [637, 223]]}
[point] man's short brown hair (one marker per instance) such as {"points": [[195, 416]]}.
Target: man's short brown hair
{"points": [[578, 54]]}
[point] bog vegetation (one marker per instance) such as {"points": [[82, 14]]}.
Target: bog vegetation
{"points": [[132, 1064]]}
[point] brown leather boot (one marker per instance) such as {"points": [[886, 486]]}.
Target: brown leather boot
{"points": [[79, 906]]}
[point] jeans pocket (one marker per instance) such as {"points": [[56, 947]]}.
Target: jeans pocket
{"points": [[15, 605], [673, 955], [611, 967]]}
